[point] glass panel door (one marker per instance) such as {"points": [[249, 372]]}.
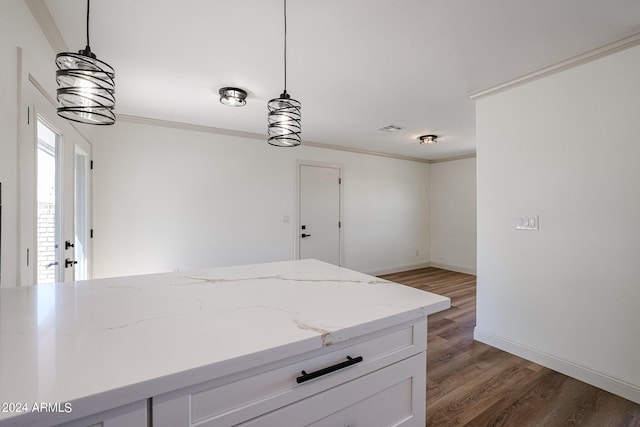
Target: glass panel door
{"points": [[47, 205], [54, 218]]}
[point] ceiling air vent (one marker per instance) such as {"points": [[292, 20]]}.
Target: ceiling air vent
{"points": [[390, 128]]}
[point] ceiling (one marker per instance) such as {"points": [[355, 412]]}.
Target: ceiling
{"points": [[355, 65]]}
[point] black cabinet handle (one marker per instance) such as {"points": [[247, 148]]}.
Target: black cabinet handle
{"points": [[324, 371]]}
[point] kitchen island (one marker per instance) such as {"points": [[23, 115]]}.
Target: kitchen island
{"points": [[287, 343]]}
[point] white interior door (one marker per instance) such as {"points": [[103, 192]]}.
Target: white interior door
{"points": [[319, 218], [82, 208], [54, 195]]}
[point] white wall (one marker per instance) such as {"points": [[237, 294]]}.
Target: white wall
{"points": [[168, 198], [566, 148], [18, 29], [453, 215]]}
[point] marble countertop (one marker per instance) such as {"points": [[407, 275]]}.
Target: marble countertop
{"points": [[118, 340]]}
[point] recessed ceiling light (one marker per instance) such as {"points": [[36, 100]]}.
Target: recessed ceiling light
{"points": [[390, 128], [232, 96], [428, 139]]}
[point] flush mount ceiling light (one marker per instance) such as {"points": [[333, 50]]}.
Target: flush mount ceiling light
{"points": [[232, 96], [85, 86], [284, 112], [428, 139]]}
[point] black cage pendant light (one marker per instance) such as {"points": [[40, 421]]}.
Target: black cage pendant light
{"points": [[284, 112], [85, 86]]}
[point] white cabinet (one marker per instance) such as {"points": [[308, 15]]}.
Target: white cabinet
{"points": [[393, 396], [132, 415], [218, 347], [386, 388]]}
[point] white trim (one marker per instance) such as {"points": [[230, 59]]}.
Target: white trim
{"points": [[612, 384], [54, 104], [456, 268], [453, 158], [592, 55], [187, 126], [397, 269], [42, 90], [253, 135], [360, 151], [43, 17], [21, 270]]}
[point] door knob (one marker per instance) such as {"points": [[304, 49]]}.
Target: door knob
{"points": [[69, 263], [305, 235]]}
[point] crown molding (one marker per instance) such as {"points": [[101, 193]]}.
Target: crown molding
{"points": [[253, 135], [186, 126], [43, 17], [452, 158], [592, 55], [360, 151]]}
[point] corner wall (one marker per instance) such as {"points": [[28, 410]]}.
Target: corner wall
{"points": [[18, 30], [167, 198], [565, 148], [453, 215]]}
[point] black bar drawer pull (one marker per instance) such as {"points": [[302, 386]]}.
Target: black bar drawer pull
{"points": [[324, 371]]}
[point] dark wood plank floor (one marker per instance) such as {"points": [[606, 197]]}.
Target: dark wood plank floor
{"points": [[472, 384]]}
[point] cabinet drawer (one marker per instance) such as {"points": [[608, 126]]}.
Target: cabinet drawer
{"points": [[392, 396], [132, 415], [218, 404]]}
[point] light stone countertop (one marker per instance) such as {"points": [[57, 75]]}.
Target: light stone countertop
{"points": [[99, 344]]}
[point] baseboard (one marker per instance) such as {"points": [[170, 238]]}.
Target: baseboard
{"points": [[407, 267], [397, 269], [606, 382], [457, 268]]}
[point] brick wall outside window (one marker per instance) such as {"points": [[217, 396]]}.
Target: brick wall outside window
{"points": [[46, 242]]}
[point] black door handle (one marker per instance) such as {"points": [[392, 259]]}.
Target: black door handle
{"points": [[305, 235], [69, 263]]}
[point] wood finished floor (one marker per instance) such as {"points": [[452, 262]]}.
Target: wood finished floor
{"points": [[472, 384]]}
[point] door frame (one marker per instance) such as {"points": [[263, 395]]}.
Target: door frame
{"points": [[83, 145], [37, 105], [297, 199]]}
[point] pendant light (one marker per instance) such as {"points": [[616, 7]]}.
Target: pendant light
{"points": [[85, 86], [284, 112]]}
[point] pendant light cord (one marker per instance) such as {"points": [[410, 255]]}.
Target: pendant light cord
{"points": [[285, 46], [88, 2]]}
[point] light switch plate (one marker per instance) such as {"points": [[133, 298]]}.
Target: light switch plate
{"points": [[528, 223]]}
